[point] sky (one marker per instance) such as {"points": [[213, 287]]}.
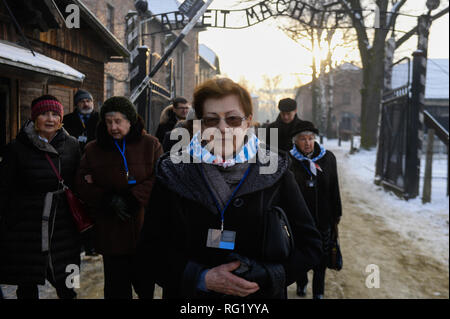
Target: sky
{"points": [[264, 49]]}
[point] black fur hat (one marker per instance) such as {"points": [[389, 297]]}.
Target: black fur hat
{"points": [[119, 104]]}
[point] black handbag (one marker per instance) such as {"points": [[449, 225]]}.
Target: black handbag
{"points": [[278, 238], [335, 261]]}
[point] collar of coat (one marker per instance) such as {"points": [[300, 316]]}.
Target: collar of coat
{"points": [[186, 180], [29, 135]]}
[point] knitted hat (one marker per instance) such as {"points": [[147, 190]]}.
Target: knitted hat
{"points": [[80, 95], [119, 104], [44, 104], [287, 105], [304, 126]]}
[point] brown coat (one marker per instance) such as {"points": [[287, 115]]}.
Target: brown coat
{"points": [[105, 164]]}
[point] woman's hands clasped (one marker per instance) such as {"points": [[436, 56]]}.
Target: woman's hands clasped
{"points": [[220, 279]]}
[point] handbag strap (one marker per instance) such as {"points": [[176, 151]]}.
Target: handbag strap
{"points": [[55, 170]]}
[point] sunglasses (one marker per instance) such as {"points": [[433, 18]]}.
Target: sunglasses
{"points": [[232, 121]]}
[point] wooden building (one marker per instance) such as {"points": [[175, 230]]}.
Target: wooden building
{"points": [[43, 52]]}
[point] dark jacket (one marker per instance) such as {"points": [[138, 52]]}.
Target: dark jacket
{"points": [[103, 161], [74, 126], [166, 124], [323, 200], [284, 133], [26, 178], [173, 239]]}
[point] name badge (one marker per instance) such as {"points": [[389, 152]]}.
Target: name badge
{"points": [[82, 139], [219, 239], [131, 180]]}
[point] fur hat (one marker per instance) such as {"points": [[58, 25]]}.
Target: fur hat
{"points": [[44, 104], [119, 104], [287, 105], [304, 126]]}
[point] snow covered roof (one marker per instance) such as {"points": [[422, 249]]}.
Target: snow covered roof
{"points": [[348, 67], [207, 54], [163, 6], [20, 57], [437, 84]]}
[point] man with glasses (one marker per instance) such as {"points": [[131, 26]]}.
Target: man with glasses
{"points": [[171, 115], [285, 123]]}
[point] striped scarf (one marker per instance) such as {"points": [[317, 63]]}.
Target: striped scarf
{"points": [[248, 151], [313, 166]]}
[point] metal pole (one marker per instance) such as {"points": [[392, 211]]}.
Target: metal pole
{"points": [[426, 195], [169, 51]]}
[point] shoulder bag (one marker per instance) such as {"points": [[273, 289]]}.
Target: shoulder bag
{"points": [[76, 207]]}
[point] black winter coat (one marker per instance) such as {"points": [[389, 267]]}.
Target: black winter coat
{"points": [[74, 126], [284, 133], [323, 200], [166, 126], [26, 177], [173, 239]]}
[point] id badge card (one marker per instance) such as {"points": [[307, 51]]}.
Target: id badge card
{"points": [[82, 139], [219, 239], [131, 180]]}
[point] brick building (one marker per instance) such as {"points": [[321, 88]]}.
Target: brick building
{"points": [[51, 59], [209, 63], [346, 110], [112, 13]]}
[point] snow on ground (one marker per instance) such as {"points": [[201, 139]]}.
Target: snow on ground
{"points": [[427, 224]]}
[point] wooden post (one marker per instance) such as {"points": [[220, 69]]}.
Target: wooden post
{"points": [[426, 196], [351, 144]]}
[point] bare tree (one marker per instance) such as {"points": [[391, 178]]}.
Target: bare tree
{"points": [[372, 49]]}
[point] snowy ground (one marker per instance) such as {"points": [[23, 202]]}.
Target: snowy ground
{"points": [[427, 224]]}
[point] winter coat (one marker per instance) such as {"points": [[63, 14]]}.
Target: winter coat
{"points": [[284, 133], [26, 178], [74, 126], [181, 210], [103, 161], [323, 200], [167, 122]]}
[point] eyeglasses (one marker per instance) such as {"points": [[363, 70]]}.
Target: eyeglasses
{"points": [[233, 121], [182, 108]]}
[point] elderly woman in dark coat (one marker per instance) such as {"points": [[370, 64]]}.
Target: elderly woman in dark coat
{"points": [[204, 235], [115, 179], [38, 236], [315, 171]]}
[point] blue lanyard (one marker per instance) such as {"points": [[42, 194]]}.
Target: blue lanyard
{"points": [[309, 172], [123, 154], [222, 212]]}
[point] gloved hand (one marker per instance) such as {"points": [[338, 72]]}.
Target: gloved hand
{"points": [[251, 270], [119, 206]]}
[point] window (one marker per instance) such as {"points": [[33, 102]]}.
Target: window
{"points": [[109, 86], [346, 98], [110, 17]]}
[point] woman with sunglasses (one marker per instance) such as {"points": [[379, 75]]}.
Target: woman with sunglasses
{"points": [[203, 232]]}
